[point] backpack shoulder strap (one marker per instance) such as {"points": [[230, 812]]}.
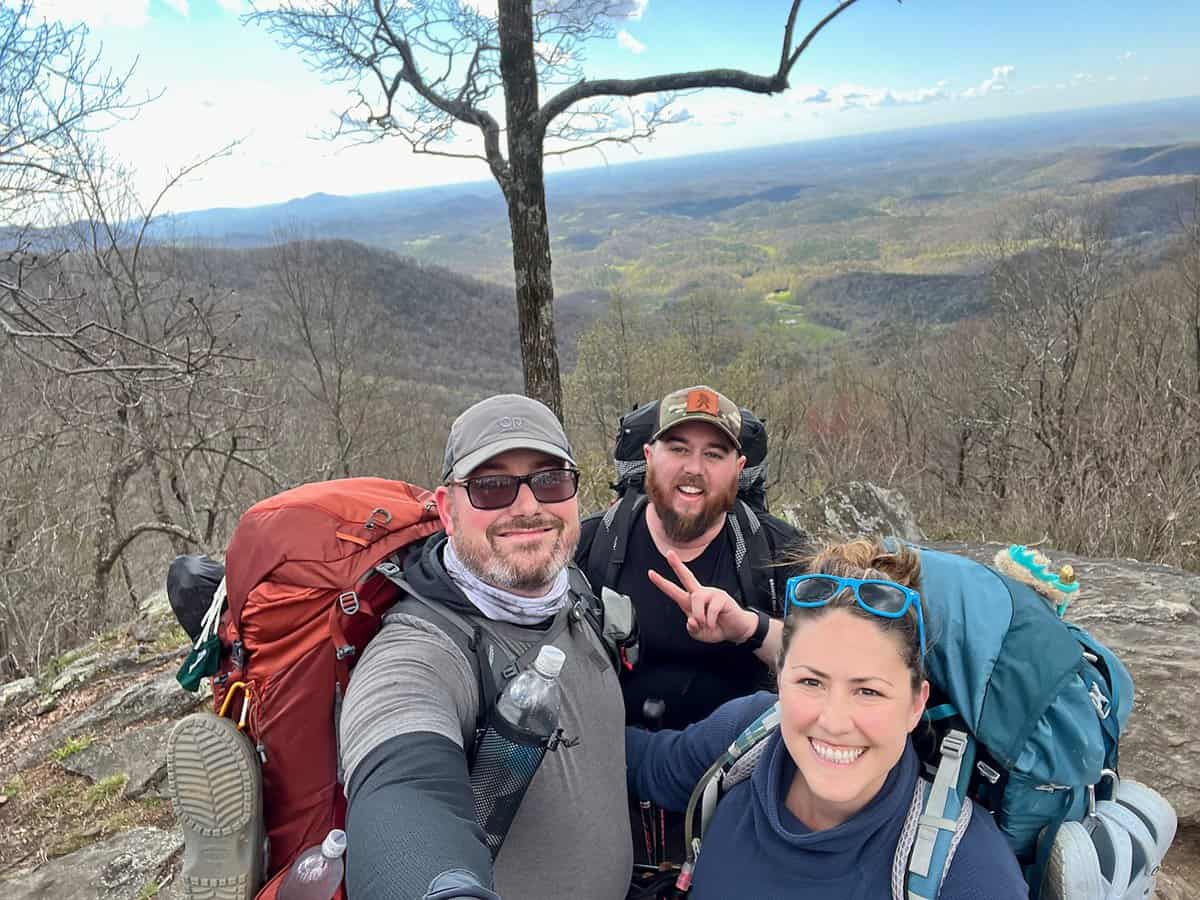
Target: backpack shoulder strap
{"points": [[607, 553], [936, 822], [752, 556], [493, 665]]}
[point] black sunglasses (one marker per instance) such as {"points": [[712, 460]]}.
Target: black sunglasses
{"points": [[499, 491]]}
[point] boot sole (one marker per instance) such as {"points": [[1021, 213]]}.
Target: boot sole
{"points": [[216, 791], [1073, 869]]}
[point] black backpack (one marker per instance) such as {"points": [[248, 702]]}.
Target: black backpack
{"points": [[753, 550], [637, 427]]}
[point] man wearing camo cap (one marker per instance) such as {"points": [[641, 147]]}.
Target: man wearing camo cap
{"points": [[702, 640], [681, 555]]}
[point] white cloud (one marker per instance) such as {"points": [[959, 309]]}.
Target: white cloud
{"points": [[1080, 77], [550, 53], [631, 9], [1127, 56], [97, 13], [483, 7], [998, 82], [233, 6], [180, 6], [856, 96], [629, 42]]}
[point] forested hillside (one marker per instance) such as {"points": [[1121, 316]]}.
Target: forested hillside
{"points": [[1012, 338]]}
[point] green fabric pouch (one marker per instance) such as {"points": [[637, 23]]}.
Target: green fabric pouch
{"points": [[201, 663]]}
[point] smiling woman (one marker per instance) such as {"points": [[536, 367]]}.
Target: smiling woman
{"points": [[823, 810]]}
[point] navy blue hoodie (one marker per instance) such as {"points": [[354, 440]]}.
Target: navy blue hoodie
{"points": [[754, 847]]}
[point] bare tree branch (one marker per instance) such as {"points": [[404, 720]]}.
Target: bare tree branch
{"points": [[707, 78]]}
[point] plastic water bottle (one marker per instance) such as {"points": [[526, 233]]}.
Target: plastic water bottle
{"points": [[511, 749], [317, 872]]}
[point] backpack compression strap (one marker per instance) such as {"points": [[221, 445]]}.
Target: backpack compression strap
{"points": [[934, 828]]}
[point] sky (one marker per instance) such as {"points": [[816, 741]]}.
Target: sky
{"points": [[880, 66]]}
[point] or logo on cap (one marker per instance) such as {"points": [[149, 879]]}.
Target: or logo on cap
{"points": [[700, 400]]}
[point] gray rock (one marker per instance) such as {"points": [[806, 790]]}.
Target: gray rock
{"points": [[856, 509], [138, 754], [78, 673], [118, 868], [90, 667], [156, 608], [140, 701], [142, 632], [1150, 617], [16, 693]]}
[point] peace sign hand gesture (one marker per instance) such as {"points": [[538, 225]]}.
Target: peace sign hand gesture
{"points": [[713, 616]]}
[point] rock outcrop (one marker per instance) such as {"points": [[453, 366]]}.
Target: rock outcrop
{"points": [[132, 865], [856, 508]]}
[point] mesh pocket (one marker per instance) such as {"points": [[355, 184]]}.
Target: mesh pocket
{"points": [[500, 774]]}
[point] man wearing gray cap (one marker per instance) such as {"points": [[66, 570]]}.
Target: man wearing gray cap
{"points": [[511, 521]]}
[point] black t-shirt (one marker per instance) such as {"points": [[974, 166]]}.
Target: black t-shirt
{"points": [[693, 678]]}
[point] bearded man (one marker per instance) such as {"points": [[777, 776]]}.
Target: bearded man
{"points": [[703, 639], [509, 509]]}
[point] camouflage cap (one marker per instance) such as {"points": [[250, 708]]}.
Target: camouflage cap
{"points": [[499, 424], [700, 404]]}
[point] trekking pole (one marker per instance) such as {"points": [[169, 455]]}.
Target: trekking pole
{"points": [[653, 711]]}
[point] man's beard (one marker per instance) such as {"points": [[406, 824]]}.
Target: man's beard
{"points": [[682, 527], [515, 571]]}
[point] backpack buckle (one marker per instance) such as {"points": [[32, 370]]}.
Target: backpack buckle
{"points": [[954, 744], [1103, 704], [988, 772], [343, 651], [348, 601]]}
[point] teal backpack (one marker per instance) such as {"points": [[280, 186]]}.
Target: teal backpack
{"points": [[1024, 716]]}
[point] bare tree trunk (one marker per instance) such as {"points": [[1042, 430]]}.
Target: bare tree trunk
{"points": [[525, 193]]}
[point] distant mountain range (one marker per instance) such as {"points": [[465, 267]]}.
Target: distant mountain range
{"points": [[698, 185]]}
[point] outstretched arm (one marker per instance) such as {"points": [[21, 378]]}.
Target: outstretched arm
{"points": [[411, 827], [410, 819], [664, 766]]}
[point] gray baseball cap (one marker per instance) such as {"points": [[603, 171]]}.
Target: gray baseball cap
{"points": [[499, 424]]}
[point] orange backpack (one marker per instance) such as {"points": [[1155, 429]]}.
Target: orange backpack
{"points": [[301, 607]]}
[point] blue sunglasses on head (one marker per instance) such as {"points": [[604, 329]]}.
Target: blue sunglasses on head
{"points": [[876, 596]]}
